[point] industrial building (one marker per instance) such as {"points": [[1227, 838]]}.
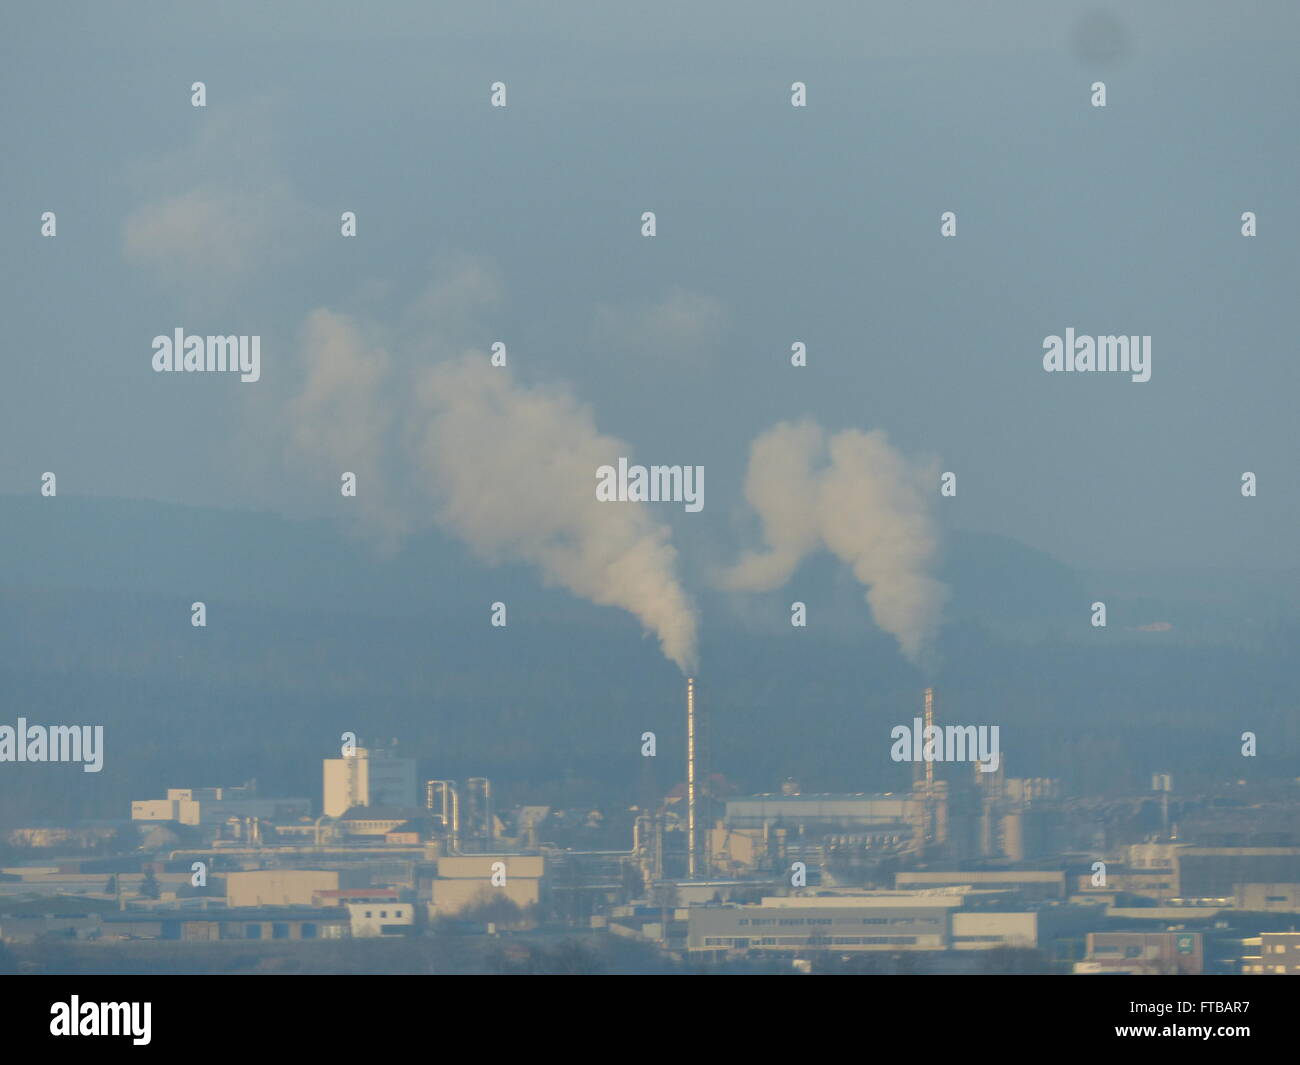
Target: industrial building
{"points": [[985, 931], [862, 921], [1272, 954], [468, 879], [379, 822], [822, 812], [289, 887], [1282, 898], [798, 923], [465, 816], [371, 919], [1254, 878], [32, 919], [214, 806], [206, 925], [368, 778], [1029, 883], [1178, 953], [1214, 872]]}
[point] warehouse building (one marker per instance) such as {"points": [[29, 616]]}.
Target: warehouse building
{"points": [[866, 921], [289, 887], [243, 923]]}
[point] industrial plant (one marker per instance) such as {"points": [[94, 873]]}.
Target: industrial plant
{"points": [[964, 866]]}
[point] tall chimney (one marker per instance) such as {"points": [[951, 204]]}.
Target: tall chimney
{"points": [[929, 723], [691, 834], [923, 780]]}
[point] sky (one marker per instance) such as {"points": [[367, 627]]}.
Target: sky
{"points": [[775, 224]]}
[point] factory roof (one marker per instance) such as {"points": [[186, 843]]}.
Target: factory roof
{"points": [[902, 899], [818, 796], [238, 913]]}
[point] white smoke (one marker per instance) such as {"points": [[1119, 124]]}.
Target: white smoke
{"points": [[510, 469], [514, 472], [866, 504], [342, 418]]}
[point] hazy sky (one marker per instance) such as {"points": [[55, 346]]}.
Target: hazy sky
{"points": [[775, 225]]}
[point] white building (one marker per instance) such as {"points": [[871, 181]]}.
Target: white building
{"points": [[368, 778], [381, 918]]}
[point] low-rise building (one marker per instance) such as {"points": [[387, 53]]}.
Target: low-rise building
{"points": [[826, 812], [1031, 883], [1144, 953], [465, 880], [986, 931], [1272, 954], [1214, 872], [242, 923], [1284, 898], [370, 919], [346, 896], [288, 887], [859, 921], [215, 806], [377, 822]]}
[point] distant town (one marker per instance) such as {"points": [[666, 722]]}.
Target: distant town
{"points": [[969, 871]]}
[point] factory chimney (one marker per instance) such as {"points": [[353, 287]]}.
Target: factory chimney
{"points": [[929, 724], [692, 836], [923, 781]]}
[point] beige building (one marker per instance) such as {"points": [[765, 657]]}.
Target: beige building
{"points": [[288, 887], [210, 806], [1147, 857], [985, 931], [373, 821], [1283, 898], [381, 918], [368, 778], [871, 921], [1272, 954], [468, 879], [739, 850], [1035, 883], [1152, 884]]}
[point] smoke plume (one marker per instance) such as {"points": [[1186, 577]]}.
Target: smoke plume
{"points": [[510, 469], [513, 472], [342, 417], [866, 504]]}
